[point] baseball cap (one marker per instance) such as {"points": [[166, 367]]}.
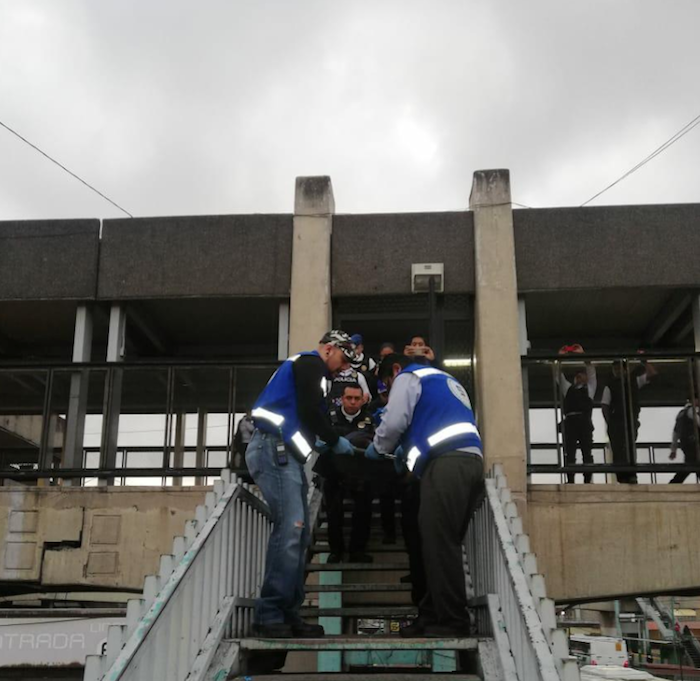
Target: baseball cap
{"points": [[341, 340], [357, 339]]}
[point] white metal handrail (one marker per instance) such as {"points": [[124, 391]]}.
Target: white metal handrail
{"points": [[202, 594], [503, 578]]}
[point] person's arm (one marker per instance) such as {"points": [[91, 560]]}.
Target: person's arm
{"points": [[309, 372], [362, 381], [564, 385], [674, 441], [403, 398], [592, 380]]}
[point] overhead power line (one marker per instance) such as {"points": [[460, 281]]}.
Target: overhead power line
{"points": [[672, 140], [70, 172]]}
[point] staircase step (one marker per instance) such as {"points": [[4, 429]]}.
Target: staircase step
{"points": [[359, 643], [347, 567], [355, 588], [371, 548], [370, 612], [335, 676]]}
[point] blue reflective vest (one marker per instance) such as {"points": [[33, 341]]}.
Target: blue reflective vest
{"points": [[275, 410], [442, 421]]}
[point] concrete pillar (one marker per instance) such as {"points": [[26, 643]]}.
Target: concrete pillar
{"points": [[310, 296], [77, 400], [499, 384], [116, 344]]}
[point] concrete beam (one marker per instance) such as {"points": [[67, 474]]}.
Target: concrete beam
{"points": [[600, 542], [498, 371], [310, 299]]}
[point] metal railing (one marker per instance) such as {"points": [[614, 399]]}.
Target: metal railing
{"points": [[505, 584], [204, 593], [635, 394], [72, 394]]}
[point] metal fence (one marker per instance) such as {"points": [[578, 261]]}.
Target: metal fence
{"points": [[203, 594], [636, 401], [510, 593], [81, 416]]}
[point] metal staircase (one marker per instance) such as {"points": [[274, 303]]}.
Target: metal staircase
{"points": [[666, 624], [194, 618]]}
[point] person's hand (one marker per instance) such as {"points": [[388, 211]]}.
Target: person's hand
{"points": [[672, 455], [343, 446], [409, 350], [320, 446], [400, 467], [372, 453], [428, 353], [399, 454]]}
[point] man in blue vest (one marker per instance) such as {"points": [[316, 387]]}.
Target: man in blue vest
{"points": [[289, 415], [429, 424]]}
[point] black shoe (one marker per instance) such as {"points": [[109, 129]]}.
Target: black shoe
{"points": [[414, 630], [389, 538], [276, 630], [305, 630], [406, 579], [334, 558], [458, 630], [359, 557]]}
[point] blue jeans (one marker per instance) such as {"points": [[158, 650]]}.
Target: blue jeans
{"points": [[285, 490]]}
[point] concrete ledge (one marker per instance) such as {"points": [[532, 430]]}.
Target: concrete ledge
{"points": [[48, 259], [208, 255], [602, 247], [372, 254], [598, 542], [89, 537]]}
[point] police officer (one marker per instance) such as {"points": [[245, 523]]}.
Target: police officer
{"points": [[352, 420], [578, 411], [347, 375], [429, 424], [289, 415]]}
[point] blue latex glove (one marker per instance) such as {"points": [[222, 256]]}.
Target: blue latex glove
{"points": [[343, 446], [399, 454], [372, 453], [400, 467], [320, 446]]}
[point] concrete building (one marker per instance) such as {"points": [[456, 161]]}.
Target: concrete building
{"points": [[171, 321]]}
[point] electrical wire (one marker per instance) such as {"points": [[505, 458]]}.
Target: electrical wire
{"points": [[672, 140], [70, 172]]}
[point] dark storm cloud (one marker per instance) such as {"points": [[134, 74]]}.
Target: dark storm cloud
{"points": [[176, 107]]}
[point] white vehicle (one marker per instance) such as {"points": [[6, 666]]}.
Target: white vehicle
{"points": [[614, 673], [599, 650]]}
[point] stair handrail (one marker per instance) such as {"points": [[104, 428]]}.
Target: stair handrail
{"points": [[502, 570], [203, 593]]}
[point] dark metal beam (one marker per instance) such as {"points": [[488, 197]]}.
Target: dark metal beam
{"points": [[677, 303]]}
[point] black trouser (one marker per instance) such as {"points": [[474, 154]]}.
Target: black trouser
{"points": [[578, 433], [450, 489], [690, 453], [334, 493], [624, 453], [387, 510], [410, 506]]}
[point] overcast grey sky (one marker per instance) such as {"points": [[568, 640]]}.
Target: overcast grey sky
{"points": [[173, 107]]}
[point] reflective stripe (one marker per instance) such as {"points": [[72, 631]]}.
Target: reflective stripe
{"points": [[293, 358], [451, 431], [412, 457], [261, 413], [325, 386], [427, 372], [302, 445]]}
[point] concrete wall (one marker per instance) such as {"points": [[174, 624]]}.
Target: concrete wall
{"points": [[212, 255], [598, 542], [89, 537], [48, 259], [609, 246], [372, 254]]}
